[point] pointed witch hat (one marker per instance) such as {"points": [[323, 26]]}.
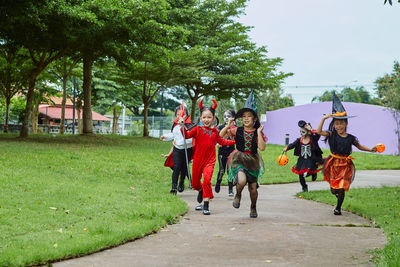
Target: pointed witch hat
{"points": [[338, 110], [249, 106]]}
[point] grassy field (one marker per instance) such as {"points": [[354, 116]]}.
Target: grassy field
{"points": [[67, 196], [382, 206]]}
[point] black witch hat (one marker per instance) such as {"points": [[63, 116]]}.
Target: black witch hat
{"points": [[338, 110], [249, 106]]}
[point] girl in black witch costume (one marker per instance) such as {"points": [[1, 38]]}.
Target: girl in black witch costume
{"points": [[224, 152], [178, 157], [339, 170], [309, 153], [245, 164]]}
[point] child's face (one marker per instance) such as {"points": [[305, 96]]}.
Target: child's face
{"points": [[303, 132], [340, 126], [248, 119], [227, 116], [207, 118]]}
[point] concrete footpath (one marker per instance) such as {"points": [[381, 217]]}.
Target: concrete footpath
{"points": [[288, 232]]}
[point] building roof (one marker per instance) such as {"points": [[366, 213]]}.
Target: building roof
{"points": [[55, 113]]}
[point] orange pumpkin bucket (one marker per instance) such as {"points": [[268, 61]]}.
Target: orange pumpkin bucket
{"points": [[283, 160], [380, 148]]}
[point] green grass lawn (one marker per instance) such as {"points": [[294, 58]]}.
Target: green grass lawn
{"points": [[382, 206], [67, 196]]}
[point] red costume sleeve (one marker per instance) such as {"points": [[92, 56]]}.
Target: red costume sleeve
{"points": [[191, 133], [225, 142]]}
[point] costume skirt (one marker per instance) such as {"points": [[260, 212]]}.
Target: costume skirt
{"points": [[303, 165], [339, 172], [251, 164]]}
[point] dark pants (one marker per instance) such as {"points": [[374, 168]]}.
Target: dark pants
{"points": [[180, 168], [302, 181]]}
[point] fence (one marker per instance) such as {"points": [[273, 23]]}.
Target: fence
{"points": [[129, 125]]}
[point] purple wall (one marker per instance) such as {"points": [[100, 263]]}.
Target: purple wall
{"points": [[373, 124]]}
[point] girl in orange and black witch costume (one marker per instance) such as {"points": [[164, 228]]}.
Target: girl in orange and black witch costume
{"points": [[245, 164], [338, 168]]}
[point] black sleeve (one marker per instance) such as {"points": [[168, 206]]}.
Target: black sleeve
{"points": [[294, 144]]}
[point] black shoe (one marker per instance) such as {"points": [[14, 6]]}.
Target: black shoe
{"points": [[173, 191], [206, 212], [236, 201], [217, 186], [337, 212], [200, 196], [305, 189], [253, 213], [314, 177], [198, 207], [181, 187]]}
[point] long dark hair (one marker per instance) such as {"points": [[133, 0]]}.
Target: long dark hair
{"points": [[331, 128]]}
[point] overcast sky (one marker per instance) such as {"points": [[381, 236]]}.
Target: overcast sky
{"points": [[327, 43]]}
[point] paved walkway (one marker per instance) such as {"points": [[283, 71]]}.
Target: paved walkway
{"points": [[288, 232]]}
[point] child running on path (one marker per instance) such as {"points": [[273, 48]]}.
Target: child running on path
{"points": [[206, 137], [245, 163], [178, 153], [309, 153], [339, 169], [224, 152]]}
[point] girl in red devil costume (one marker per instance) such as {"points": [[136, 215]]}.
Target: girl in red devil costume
{"points": [[206, 137]]}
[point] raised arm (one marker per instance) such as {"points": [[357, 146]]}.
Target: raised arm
{"points": [[321, 124], [261, 142], [224, 130]]}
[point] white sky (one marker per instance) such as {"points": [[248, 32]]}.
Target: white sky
{"points": [[327, 42]]}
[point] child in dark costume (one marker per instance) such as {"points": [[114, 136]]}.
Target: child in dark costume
{"points": [[245, 164], [206, 137], [309, 153], [179, 165], [224, 152], [338, 168]]}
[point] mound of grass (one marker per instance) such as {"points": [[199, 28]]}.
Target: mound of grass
{"points": [[69, 196], [382, 206]]}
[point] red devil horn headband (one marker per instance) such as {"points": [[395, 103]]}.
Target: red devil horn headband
{"points": [[215, 104], [213, 107]]}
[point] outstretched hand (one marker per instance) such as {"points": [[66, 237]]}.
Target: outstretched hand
{"points": [[327, 116], [373, 149]]}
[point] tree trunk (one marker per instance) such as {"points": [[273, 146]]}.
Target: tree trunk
{"points": [[63, 102], [29, 99], [115, 120], [34, 118], [8, 100], [194, 105], [146, 119], [80, 128], [87, 95]]}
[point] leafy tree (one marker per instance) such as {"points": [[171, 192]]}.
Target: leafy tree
{"points": [[13, 67], [388, 88], [228, 63], [272, 100], [46, 29], [357, 95], [62, 70]]}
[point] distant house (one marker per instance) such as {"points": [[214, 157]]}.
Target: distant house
{"points": [[51, 114], [372, 124]]}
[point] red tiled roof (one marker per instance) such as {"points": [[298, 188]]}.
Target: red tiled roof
{"points": [[55, 113]]}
